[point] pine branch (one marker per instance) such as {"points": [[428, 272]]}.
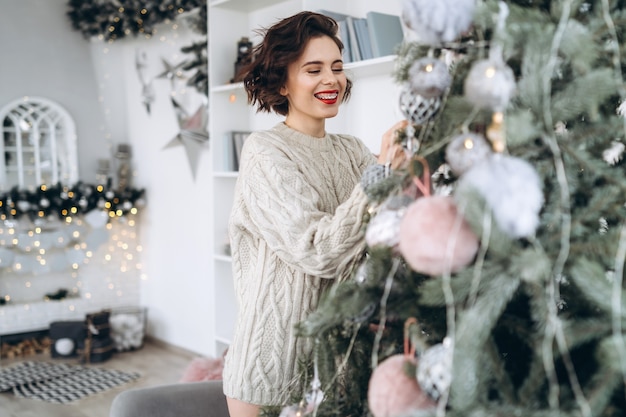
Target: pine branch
{"points": [[594, 284], [473, 329]]}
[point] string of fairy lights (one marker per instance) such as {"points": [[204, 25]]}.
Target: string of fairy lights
{"points": [[54, 230], [113, 20]]}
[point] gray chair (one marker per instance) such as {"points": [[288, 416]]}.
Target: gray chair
{"points": [[193, 399]]}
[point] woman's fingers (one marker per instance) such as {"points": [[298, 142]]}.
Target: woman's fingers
{"points": [[390, 151]]}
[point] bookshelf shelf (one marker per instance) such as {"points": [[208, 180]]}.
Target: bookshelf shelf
{"points": [[225, 174], [227, 88], [243, 5], [367, 115], [371, 67], [222, 258]]}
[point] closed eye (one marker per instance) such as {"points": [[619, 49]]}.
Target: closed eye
{"points": [[335, 70]]}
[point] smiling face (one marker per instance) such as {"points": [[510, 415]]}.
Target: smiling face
{"points": [[315, 86]]}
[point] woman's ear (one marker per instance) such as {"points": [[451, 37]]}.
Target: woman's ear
{"points": [[283, 91]]}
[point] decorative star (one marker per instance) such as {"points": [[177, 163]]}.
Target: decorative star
{"points": [[172, 72], [193, 134]]}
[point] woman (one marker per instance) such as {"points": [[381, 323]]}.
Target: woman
{"points": [[297, 215]]}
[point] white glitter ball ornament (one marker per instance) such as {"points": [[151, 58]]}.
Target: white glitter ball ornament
{"points": [[437, 21], [490, 84], [384, 228], [434, 370], [429, 77]]}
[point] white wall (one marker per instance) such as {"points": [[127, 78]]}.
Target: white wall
{"points": [[43, 56], [175, 227], [99, 86]]}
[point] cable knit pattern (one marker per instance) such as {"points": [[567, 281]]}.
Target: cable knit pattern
{"points": [[296, 223]]}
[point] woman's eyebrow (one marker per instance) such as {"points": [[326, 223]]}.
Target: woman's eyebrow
{"points": [[337, 61]]}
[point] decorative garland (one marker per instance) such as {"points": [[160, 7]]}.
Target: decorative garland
{"points": [[116, 19], [63, 202]]}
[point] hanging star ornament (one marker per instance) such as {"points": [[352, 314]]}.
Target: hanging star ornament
{"points": [[193, 134], [172, 72]]}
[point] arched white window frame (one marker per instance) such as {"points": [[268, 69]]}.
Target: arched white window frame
{"points": [[37, 121]]}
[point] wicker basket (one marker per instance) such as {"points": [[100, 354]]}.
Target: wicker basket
{"points": [[128, 327]]}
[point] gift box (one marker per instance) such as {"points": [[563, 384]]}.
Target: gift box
{"points": [[98, 345], [66, 337], [89, 339], [98, 324], [94, 350]]}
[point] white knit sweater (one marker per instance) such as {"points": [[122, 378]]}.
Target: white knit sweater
{"points": [[296, 220]]}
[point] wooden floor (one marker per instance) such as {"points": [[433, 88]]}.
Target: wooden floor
{"points": [[156, 362]]}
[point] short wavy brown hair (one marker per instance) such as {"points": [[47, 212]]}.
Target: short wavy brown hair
{"points": [[283, 43]]}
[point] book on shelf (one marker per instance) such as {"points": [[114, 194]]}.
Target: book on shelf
{"points": [[363, 37], [234, 144], [344, 33], [368, 37], [355, 53], [385, 33]]}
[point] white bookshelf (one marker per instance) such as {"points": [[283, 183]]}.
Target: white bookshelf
{"points": [[369, 113]]}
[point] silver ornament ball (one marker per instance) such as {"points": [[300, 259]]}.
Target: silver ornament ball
{"points": [[438, 21], [429, 77], [372, 175], [465, 151], [490, 84]]}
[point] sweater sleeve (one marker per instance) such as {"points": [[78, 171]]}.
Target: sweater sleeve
{"points": [[284, 195]]}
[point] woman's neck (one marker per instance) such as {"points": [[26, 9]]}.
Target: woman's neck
{"points": [[315, 128]]}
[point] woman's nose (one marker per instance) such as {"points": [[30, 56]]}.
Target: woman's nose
{"points": [[329, 78]]}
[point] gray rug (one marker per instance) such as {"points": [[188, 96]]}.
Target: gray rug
{"points": [[60, 383]]}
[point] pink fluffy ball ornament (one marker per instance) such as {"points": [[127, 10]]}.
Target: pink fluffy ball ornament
{"points": [[393, 392], [393, 388], [434, 238]]}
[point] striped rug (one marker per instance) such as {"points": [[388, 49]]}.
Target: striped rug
{"points": [[59, 383]]}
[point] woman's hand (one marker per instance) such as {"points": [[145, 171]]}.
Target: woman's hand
{"points": [[391, 152]]}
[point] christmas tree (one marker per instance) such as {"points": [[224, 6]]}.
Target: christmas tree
{"points": [[492, 284]]}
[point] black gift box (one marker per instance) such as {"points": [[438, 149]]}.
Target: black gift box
{"points": [[90, 338], [66, 337], [96, 350], [98, 324], [98, 346]]}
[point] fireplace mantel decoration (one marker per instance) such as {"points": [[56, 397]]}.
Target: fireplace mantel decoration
{"points": [[65, 202], [52, 229]]}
